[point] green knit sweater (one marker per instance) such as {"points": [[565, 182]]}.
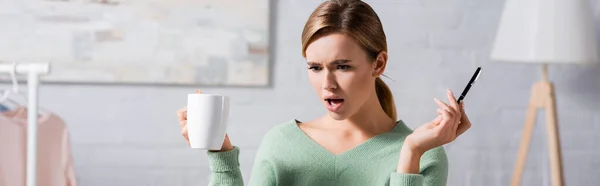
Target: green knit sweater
{"points": [[288, 157]]}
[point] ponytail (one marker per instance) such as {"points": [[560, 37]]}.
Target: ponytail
{"points": [[386, 99]]}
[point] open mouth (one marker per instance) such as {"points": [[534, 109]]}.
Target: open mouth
{"points": [[334, 102]]}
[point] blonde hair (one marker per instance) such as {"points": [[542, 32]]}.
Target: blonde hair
{"points": [[359, 21]]}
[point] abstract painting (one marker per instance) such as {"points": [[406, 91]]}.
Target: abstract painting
{"points": [[181, 42]]}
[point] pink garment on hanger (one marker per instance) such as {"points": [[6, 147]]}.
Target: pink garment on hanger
{"points": [[54, 160]]}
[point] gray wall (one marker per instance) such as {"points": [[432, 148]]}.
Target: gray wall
{"points": [[128, 135]]}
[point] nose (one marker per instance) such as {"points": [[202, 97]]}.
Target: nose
{"points": [[329, 83]]}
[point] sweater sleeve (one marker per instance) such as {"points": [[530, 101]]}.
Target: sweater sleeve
{"points": [[433, 171], [262, 174], [263, 170], [225, 168]]}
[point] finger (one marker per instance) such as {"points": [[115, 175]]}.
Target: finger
{"points": [[438, 119], [456, 124], [184, 133], [442, 105], [452, 101], [462, 128], [465, 123], [198, 91], [435, 122], [453, 108], [463, 114], [464, 118], [459, 115], [446, 124], [182, 114], [446, 120]]}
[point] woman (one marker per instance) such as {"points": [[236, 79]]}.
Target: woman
{"points": [[359, 141]]}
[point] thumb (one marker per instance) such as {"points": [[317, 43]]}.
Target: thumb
{"points": [[198, 91]]}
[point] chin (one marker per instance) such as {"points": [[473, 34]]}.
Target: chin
{"points": [[338, 116]]}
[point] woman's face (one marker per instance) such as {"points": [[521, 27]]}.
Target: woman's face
{"points": [[341, 74]]}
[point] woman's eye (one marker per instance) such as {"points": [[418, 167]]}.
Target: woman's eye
{"points": [[343, 67], [314, 68]]}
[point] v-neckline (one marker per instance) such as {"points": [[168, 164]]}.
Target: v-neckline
{"points": [[356, 149]]}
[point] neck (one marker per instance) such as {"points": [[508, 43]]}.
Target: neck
{"points": [[369, 119]]}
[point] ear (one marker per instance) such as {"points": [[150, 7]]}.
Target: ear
{"points": [[379, 64]]}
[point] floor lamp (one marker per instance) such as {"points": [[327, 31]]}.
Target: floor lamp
{"points": [[544, 32]]}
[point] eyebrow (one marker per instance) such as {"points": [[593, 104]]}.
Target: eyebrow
{"points": [[334, 62]]}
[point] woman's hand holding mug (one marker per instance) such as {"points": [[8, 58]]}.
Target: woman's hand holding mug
{"points": [[182, 116]]}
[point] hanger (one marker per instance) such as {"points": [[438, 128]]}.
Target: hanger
{"points": [[15, 98], [9, 95]]}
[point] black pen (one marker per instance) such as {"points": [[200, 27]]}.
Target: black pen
{"points": [[471, 82]]}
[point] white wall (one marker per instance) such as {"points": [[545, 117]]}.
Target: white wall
{"points": [[129, 135]]}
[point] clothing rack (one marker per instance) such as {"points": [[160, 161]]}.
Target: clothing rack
{"points": [[33, 70]]}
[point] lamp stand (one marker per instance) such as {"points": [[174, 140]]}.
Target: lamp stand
{"points": [[542, 97]]}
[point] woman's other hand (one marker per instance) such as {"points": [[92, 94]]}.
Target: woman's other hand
{"points": [[450, 123]]}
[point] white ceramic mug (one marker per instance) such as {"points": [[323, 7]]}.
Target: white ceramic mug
{"points": [[207, 117]]}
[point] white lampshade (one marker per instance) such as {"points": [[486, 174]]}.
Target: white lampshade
{"points": [[546, 31]]}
